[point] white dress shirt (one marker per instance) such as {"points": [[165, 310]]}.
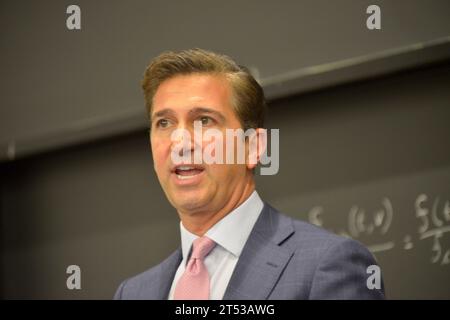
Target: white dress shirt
{"points": [[230, 234]]}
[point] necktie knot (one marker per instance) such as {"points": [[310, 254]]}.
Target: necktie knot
{"points": [[201, 247]]}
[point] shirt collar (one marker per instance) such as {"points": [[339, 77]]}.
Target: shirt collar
{"points": [[232, 231]]}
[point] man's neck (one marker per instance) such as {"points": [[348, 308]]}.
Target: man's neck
{"points": [[199, 224]]}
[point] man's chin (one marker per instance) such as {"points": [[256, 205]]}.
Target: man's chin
{"points": [[190, 203]]}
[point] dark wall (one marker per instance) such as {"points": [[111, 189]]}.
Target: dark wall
{"points": [[100, 206], [57, 77]]}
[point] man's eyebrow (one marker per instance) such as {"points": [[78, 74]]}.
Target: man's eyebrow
{"points": [[162, 113], [200, 110], [193, 112]]}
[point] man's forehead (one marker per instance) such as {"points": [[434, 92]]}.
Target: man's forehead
{"points": [[193, 82], [184, 93]]}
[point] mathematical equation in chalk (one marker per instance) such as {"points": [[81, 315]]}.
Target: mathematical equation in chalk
{"points": [[432, 215]]}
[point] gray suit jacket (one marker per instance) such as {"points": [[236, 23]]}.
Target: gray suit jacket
{"points": [[283, 258]]}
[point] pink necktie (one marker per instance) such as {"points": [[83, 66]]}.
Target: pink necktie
{"points": [[194, 283]]}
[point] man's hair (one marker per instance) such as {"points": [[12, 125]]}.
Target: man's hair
{"points": [[247, 95]]}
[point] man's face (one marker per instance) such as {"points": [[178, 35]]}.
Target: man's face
{"points": [[179, 102]]}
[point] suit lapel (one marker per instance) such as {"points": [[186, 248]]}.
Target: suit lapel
{"points": [[263, 259], [167, 271]]}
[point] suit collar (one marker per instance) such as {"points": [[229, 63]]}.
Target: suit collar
{"points": [[262, 259], [167, 271]]}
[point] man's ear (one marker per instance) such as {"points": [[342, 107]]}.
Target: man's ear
{"points": [[257, 144]]}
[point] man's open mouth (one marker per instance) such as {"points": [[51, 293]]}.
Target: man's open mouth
{"points": [[184, 172]]}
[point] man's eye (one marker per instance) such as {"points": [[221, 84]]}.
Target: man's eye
{"points": [[206, 121], [162, 123]]}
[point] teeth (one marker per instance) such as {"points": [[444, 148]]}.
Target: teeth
{"points": [[185, 168], [183, 177]]}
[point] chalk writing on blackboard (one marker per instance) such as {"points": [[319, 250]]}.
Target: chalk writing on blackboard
{"points": [[433, 216]]}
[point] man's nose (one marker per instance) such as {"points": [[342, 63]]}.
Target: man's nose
{"points": [[183, 141]]}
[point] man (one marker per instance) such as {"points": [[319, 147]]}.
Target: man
{"points": [[233, 245]]}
